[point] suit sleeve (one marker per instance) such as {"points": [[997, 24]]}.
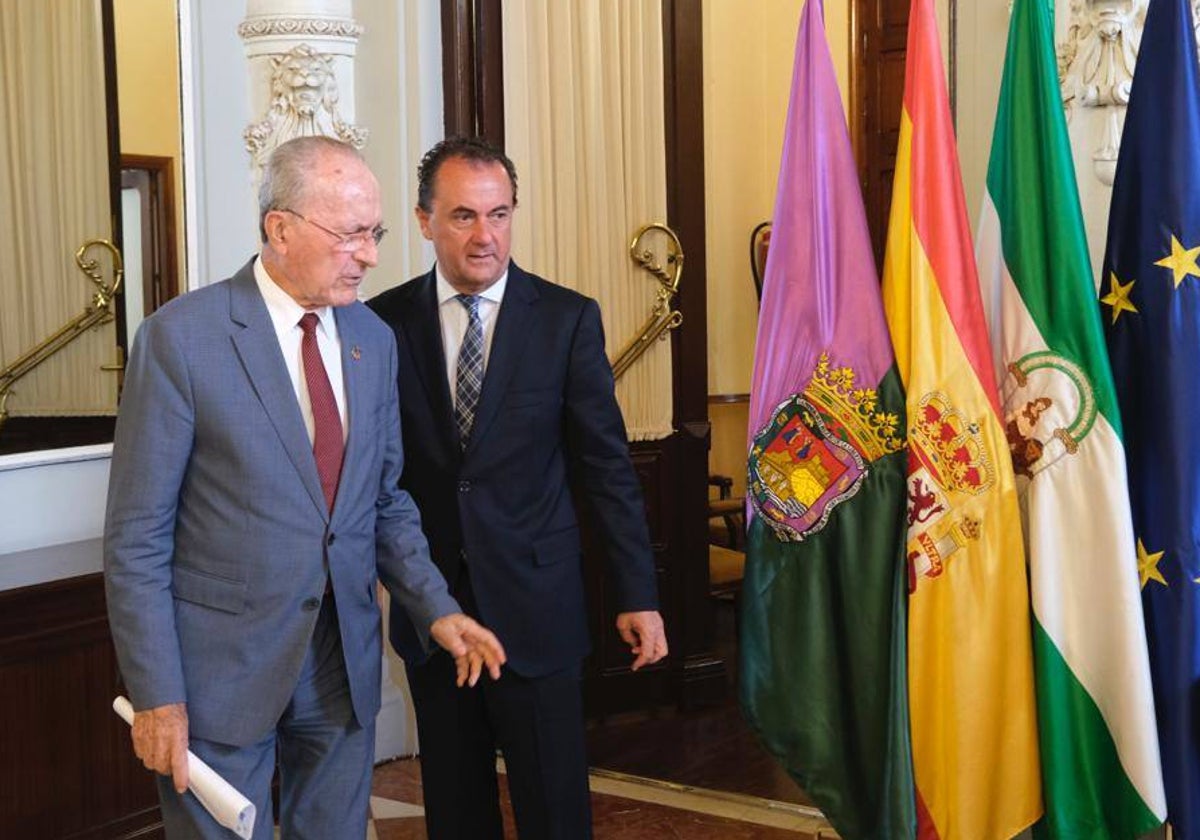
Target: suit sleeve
{"points": [[151, 450], [402, 552], [598, 449]]}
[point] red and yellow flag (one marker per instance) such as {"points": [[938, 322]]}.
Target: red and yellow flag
{"points": [[971, 697]]}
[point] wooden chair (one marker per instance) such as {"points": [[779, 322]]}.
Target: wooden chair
{"points": [[760, 241], [726, 547]]}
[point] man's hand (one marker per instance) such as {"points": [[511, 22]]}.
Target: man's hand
{"points": [[471, 644], [160, 740], [644, 633]]}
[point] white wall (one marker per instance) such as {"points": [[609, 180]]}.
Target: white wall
{"points": [[221, 206], [982, 36], [982, 32], [399, 88], [53, 514]]}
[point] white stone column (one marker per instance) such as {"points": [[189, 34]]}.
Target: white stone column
{"points": [[301, 69]]}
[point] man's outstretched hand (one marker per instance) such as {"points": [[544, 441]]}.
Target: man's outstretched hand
{"points": [[471, 644]]}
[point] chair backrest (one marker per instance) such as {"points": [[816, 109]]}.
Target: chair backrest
{"points": [[760, 240]]}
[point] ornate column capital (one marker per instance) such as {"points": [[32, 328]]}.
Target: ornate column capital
{"points": [[301, 55]]}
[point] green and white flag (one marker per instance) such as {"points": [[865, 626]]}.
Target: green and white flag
{"points": [[1100, 762]]}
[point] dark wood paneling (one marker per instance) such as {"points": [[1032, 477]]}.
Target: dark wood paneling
{"points": [[473, 68], [113, 134], [66, 766], [458, 78], [31, 434], [699, 670], [879, 43]]}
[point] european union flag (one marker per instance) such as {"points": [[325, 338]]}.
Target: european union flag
{"points": [[1151, 295]]}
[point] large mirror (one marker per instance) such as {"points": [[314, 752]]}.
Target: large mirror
{"points": [[92, 198]]}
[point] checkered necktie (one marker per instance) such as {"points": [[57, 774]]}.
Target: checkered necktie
{"points": [[469, 377], [327, 421]]}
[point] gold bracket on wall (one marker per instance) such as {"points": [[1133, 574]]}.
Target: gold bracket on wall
{"points": [[97, 312], [662, 317]]}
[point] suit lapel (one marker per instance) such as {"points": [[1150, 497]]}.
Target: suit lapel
{"points": [[258, 349], [355, 378], [508, 344], [423, 327]]}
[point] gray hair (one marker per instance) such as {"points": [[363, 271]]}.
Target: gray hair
{"points": [[287, 178]]}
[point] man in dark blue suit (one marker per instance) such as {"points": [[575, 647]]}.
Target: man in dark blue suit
{"points": [[506, 396]]}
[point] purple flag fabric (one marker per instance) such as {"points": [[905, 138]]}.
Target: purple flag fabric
{"points": [[822, 675], [820, 288]]}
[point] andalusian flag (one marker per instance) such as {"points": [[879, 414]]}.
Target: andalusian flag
{"points": [[822, 618], [970, 664], [1151, 296], [1100, 768]]}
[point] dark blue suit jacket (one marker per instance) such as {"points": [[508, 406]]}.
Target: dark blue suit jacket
{"points": [[547, 415]]}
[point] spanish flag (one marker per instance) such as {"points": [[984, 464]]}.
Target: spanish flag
{"points": [[970, 666]]}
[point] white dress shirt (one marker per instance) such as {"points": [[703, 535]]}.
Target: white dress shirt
{"points": [[285, 316], [453, 317]]}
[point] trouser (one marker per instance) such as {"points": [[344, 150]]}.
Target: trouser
{"points": [[325, 759]]}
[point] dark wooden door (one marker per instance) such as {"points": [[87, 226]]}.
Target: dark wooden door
{"points": [[879, 44]]}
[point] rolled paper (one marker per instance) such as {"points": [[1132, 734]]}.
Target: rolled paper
{"points": [[221, 799]]}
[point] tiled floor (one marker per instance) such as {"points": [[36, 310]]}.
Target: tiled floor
{"points": [[623, 808]]}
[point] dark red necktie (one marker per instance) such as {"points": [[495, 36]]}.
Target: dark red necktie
{"points": [[327, 422]]}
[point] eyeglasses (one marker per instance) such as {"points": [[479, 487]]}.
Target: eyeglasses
{"points": [[346, 242]]}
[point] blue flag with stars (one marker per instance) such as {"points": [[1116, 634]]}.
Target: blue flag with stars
{"points": [[1150, 292]]}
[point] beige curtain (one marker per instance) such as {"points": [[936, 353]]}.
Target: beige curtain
{"points": [[583, 94], [54, 187]]}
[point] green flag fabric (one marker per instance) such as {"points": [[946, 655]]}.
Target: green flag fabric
{"points": [[1100, 762]]}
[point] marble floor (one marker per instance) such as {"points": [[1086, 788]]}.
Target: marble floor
{"points": [[624, 808]]}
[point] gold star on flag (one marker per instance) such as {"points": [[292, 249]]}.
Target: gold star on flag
{"points": [[1182, 261], [1118, 296], [1148, 565]]}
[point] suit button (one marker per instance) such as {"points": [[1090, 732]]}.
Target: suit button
{"points": [[310, 604], [464, 487], [329, 540]]}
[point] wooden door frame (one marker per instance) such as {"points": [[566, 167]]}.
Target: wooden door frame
{"points": [[858, 78], [473, 69], [156, 185]]}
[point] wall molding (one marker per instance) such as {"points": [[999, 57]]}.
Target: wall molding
{"points": [[275, 27]]}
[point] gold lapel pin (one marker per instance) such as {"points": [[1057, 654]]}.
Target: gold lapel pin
{"points": [[355, 353]]}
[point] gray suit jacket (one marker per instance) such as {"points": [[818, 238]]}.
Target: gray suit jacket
{"points": [[217, 539]]}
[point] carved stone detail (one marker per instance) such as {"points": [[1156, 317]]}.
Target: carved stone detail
{"points": [[1095, 68], [304, 102], [285, 26], [1096, 64]]}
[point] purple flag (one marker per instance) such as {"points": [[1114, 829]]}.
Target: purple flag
{"points": [[821, 288], [822, 661]]}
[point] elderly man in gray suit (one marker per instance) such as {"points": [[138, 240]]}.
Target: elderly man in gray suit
{"points": [[252, 507]]}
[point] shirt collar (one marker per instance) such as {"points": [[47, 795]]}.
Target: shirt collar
{"points": [[494, 292], [285, 312]]}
